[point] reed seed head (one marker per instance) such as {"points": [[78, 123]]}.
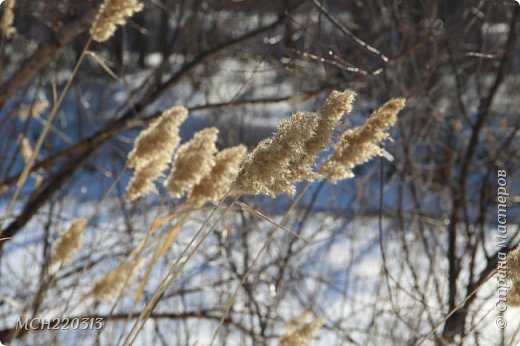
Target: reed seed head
{"points": [[70, 242], [142, 182], [153, 151], [276, 163], [6, 24], [111, 14], [301, 335], [361, 144], [25, 148], [338, 104], [279, 162], [193, 161], [215, 184], [113, 283]]}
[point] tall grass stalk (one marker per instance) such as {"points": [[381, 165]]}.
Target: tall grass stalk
{"points": [[256, 259], [48, 124], [176, 269]]}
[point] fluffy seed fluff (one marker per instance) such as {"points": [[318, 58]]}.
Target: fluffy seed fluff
{"points": [[301, 334], [111, 14], [338, 104], [329, 116], [361, 144], [6, 24], [279, 162], [215, 184], [153, 151], [193, 161], [513, 260], [270, 169], [25, 148], [70, 242], [113, 283]]}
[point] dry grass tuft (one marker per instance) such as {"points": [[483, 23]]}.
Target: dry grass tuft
{"points": [[25, 148], [193, 161], [329, 117], [301, 334], [338, 104], [113, 283], [153, 152], [215, 184], [111, 14], [70, 242], [6, 24], [361, 144], [273, 167], [287, 158]]}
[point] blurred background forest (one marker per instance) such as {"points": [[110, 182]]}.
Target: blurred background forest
{"points": [[402, 254]]}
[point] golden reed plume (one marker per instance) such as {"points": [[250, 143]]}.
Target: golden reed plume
{"points": [[193, 161], [70, 242], [153, 151], [111, 14], [361, 144]]}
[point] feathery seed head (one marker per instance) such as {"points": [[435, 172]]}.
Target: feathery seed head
{"points": [[114, 282], [160, 138], [329, 117], [193, 161], [25, 148], [288, 157], [337, 104], [153, 151], [215, 184], [142, 182], [111, 14], [276, 163], [301, 334], [361, 144], [70, 242], [6, 24]]}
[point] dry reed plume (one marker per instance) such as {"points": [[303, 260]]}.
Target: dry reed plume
{"points": [[25, 148], [301, 334], [6, 24], [153, 151], [113, 283], [272, 168], [329, 117], [111, 14], [361, 144], [193, 161], [70, 242], [215, 184], [287, 158]]}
